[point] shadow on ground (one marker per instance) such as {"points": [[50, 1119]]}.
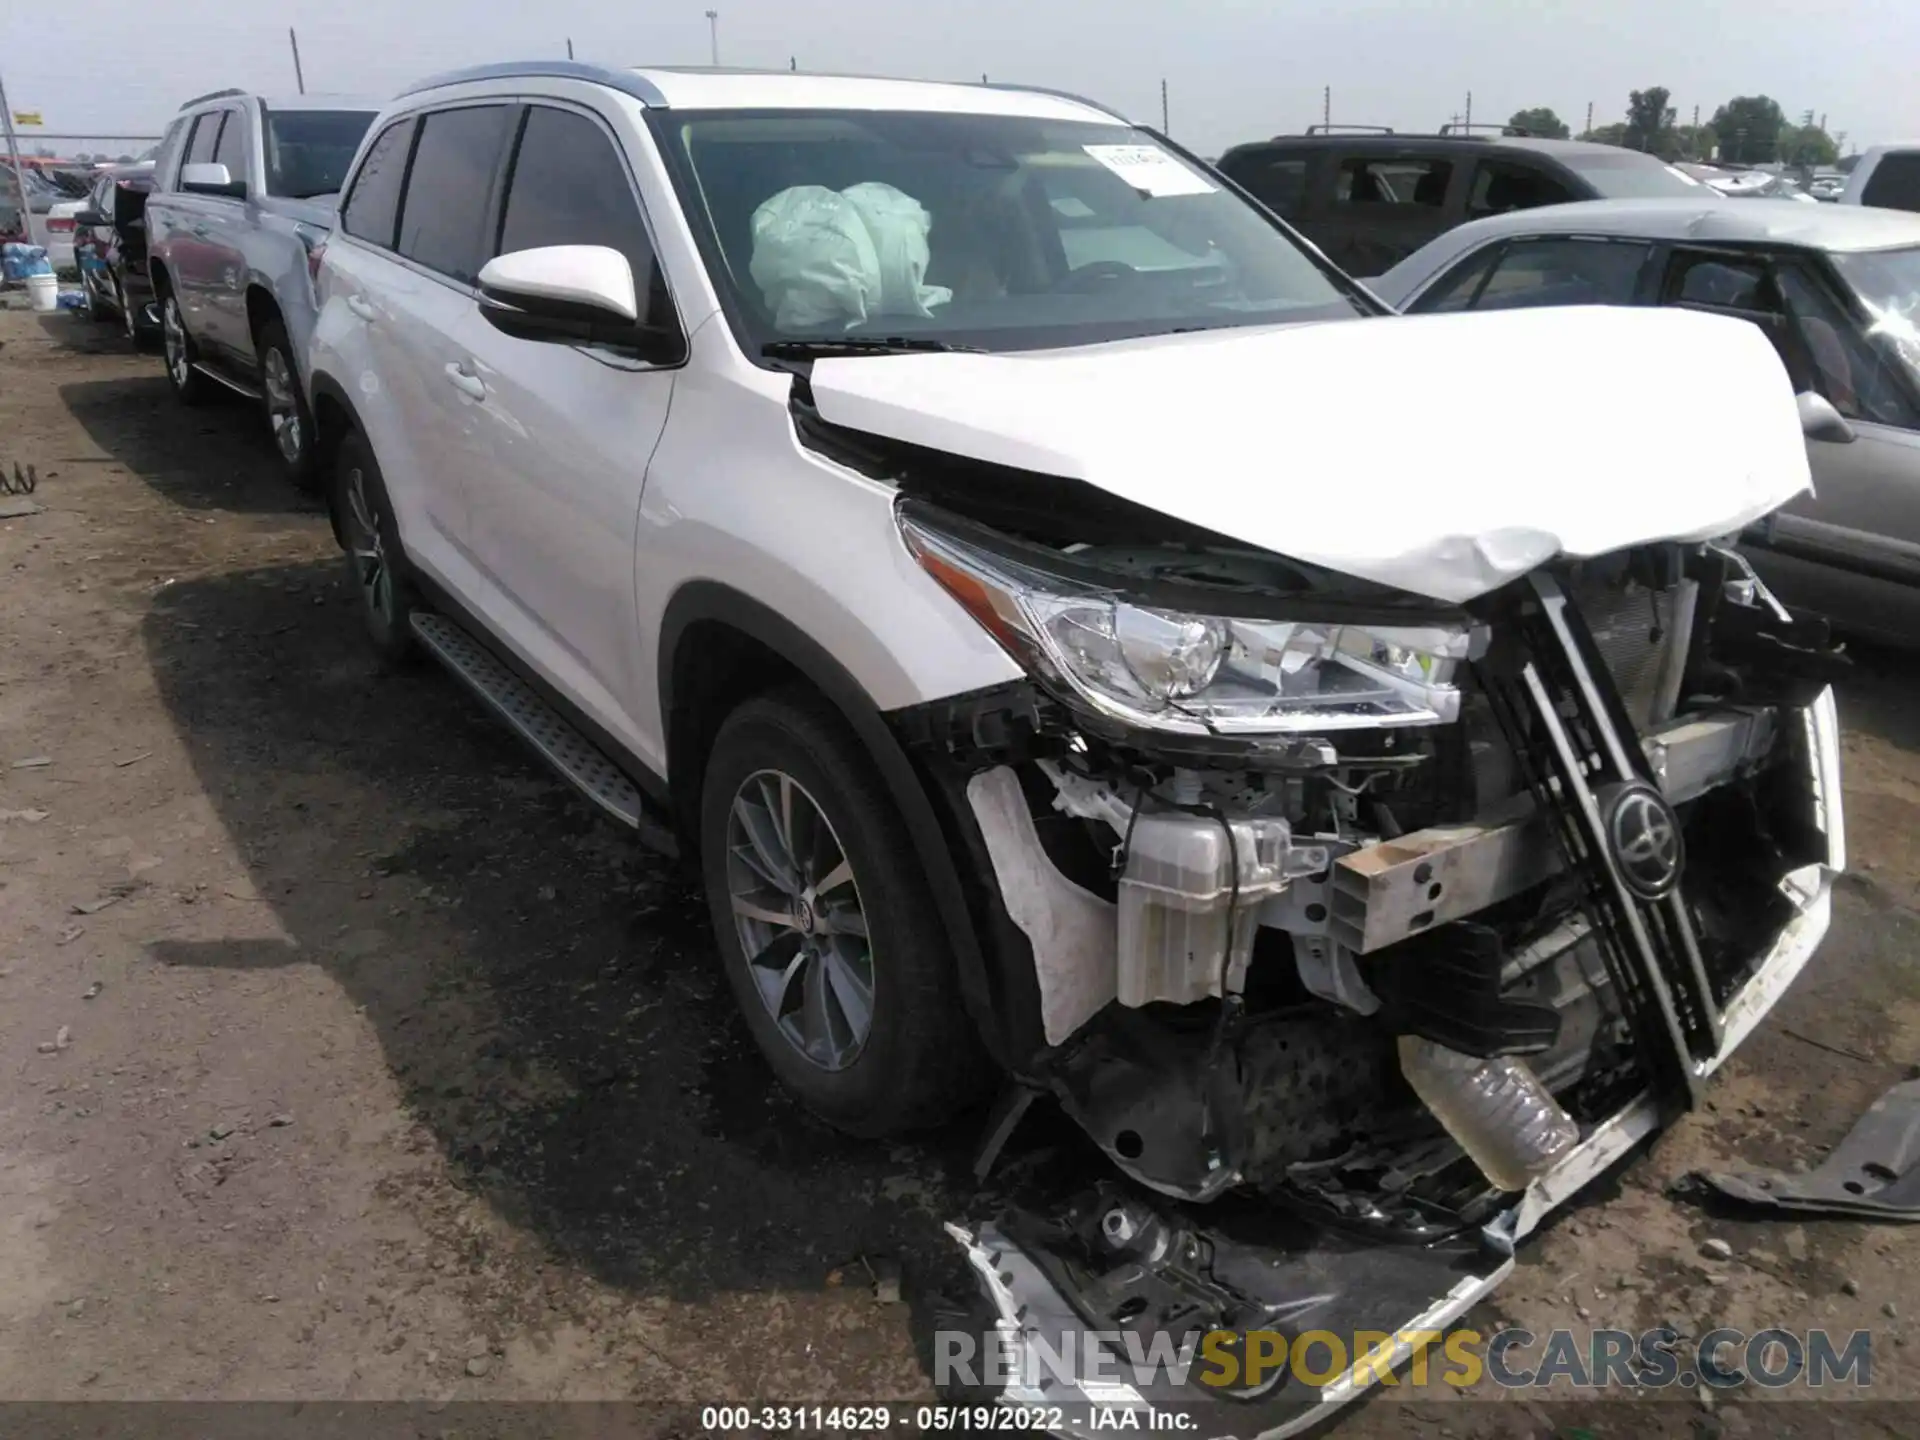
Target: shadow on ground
{"points": [[543, 989], [216, 456]]}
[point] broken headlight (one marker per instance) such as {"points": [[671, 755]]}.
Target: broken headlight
{"points": [[1200, 674]]}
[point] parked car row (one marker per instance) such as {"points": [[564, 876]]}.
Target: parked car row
{"points": [[110, 250], [1031, 585]]}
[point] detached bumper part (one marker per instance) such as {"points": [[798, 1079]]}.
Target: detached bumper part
{"points": [[1873, 1174]]}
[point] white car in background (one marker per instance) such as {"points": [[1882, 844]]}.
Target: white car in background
{"points": [[60, 227], [1076, 633]]}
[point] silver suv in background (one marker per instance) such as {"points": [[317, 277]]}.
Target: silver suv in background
{"points": [[874, 484], [244, 187]]}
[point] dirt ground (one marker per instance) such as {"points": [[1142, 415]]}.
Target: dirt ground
{"points": [[344, 1055]]}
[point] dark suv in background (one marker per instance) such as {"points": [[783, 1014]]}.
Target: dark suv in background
{"points": [[1369, 197]]}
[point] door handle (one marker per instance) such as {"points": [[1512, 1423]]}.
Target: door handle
{"points": [[472, 386], [362, 308]]}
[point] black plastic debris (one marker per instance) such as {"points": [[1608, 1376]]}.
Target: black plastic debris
{"points": [[1874, 1173]]}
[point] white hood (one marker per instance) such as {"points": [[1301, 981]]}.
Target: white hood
{"points": [[1444, 455]]}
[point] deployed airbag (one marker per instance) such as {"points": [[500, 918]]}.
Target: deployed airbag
{"points": [[838, 258]]}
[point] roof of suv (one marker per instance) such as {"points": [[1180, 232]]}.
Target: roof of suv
{"points": [[1375, 139], [286, 102], [1710, 219], [707, 88]]}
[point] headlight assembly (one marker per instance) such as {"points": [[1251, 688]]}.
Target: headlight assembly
{"points": [[1199, 674]]}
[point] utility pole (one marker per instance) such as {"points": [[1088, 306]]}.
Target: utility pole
{"points": [[19, 175], [569, 47], [1164, 128], [793, 62], [1326, 107], [299, 78], [1467, 124], [1589, 129], [713, 36]]}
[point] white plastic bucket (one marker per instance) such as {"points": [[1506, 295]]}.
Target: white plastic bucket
{"points": [[44, 291]]}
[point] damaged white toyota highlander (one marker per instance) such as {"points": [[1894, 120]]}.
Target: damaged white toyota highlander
{"points": [[1081, 637]]}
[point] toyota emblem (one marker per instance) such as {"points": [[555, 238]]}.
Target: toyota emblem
{"points": [[1644, 835]]}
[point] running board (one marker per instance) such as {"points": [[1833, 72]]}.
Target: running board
{"points": [[580, 762], [238, 387]]}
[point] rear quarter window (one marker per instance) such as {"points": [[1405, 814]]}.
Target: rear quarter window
{"points": [[1276, 179]]}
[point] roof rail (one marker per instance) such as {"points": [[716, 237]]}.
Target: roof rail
{"points": [[226, 94], [1363, 129], [1058, 95], [639, 87], [1456, 127]]}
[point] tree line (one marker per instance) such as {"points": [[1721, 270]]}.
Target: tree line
{"points": [[1747, 130]]}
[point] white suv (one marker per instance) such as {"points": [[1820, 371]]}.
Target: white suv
{"points": [[1072, 626]]}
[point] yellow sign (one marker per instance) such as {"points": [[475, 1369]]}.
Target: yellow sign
{"points": [[27, 117]]}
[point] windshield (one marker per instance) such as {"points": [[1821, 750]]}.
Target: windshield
{"points": [[978, 231], [1887, 284], [308, 151], [1631, 175]]}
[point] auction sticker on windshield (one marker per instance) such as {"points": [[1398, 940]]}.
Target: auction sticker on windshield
{"points": [[1150, 170]]}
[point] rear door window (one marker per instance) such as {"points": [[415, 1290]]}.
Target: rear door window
{"points": [[1457, 289], [1502, 185], [1894, 183], [372, 211], [1402, 181], [1561, 271], [449, 187]]}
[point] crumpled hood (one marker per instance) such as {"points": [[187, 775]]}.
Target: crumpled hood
{"points": [[1444, 455]]}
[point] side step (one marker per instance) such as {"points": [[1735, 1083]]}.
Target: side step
{"points": [[220, 377], [580, 762]]}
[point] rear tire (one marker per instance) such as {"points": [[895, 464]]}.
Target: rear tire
{"points": [[826, 924], [287, 416], [189, 386], [387, 598]]}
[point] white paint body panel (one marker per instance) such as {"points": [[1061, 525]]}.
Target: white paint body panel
{"points": [[1436, 454]]}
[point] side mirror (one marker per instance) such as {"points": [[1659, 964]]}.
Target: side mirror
{"points": [[574, 295], [87, 219], [209, 179], [1820, 421]]}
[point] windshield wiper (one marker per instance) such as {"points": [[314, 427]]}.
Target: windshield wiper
{"points": [[863, 345]]}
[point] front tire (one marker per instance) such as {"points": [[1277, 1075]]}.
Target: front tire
{"points": [[96, 312], [374, 558], [826, 925], [286, 407], [189, 386]]}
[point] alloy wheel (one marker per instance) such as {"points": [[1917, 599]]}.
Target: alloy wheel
{"points": [[796, 910], [283, 405], [369, 552], [174, 336]]}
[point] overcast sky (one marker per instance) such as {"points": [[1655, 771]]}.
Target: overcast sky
{"points": [[1236, 69]]}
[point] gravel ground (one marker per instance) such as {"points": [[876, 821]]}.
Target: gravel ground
{"points": [[344, 1055]]}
